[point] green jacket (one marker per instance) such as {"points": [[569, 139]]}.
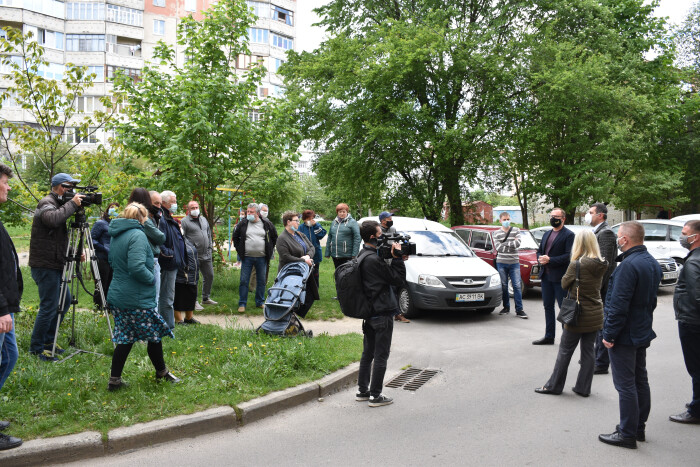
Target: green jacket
{"points": [[343, 238], [131, 257], [590, 279]]}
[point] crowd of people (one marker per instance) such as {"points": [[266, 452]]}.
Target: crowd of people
{"points": [[149, 266]]}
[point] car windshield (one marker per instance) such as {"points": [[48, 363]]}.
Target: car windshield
{"points": [[527, 241], [439, 244]]}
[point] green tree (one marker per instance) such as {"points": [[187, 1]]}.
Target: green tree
{"points": [[406, 98], [199, 124]]}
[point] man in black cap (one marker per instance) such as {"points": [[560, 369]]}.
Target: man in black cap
{"points": [[47, 251], [386, 222]]}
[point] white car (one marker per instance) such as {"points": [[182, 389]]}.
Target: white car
{"points": [[444, 274], [687, 217], [661, 238]]}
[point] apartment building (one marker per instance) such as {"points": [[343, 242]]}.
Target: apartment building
{"points": [[112, 35]]}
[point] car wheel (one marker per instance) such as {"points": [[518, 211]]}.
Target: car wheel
{"points": [[406, 304], [485, 311], [523, 289]]}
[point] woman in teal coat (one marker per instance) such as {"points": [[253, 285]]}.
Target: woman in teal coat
{"points": [[344, 240], [132, 296]]}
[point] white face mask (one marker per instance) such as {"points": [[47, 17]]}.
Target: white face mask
{"points": [[263, 214], [173, 207], [588, 218], [308, 223], [194, 212]]}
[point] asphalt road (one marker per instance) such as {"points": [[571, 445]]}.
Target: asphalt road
{"points": [[479, 410]]}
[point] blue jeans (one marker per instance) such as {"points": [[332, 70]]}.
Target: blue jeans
{"points": [[247, 265], [511, 271], [48, 281], [8, 353], [629, 372], [551, 290], [167, 296]]}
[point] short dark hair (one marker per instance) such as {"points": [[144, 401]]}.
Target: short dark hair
{"points": [[368, 229], [287, 216], [694, 225], [600, 208], [634, 230], [504, 213], [307, 214], [141, 196], [563, 213], [6, 170]]}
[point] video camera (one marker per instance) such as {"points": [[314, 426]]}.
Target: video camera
{"points": [[90, 195], [385, 241]]}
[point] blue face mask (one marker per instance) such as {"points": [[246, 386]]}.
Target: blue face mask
{"points": [[250, 217], [112, 212], [505, 223], [294, 227]]}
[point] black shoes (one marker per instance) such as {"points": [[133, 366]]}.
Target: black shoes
{"points": [[4, 425], [616, 439], [599, 370], [362, 396], [544, 341], [116, 383], [641, 436], [520, 314], [380, 400], [546, 390], [582, 394], [504, 311], [9, 442], [685, 417], [167, 376], [190, 321]]}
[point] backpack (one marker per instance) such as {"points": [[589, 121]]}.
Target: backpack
{"points": [[351, 294]]}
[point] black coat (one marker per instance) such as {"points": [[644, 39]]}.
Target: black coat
{"points": [[559, 254], [686, 298], [172, 252], [239, 232], [11, 285], [378, 277]]}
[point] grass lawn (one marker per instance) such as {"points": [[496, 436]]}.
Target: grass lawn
{"points": [[218, 367]]}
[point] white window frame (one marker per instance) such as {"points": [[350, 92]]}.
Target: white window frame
{"points": [[159, 31]]}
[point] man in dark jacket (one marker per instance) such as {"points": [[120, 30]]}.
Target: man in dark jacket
{"points": [[686, 304], [254, 239], [597, 217], [196, 229], [47, 256], [554, 255], [378, 277], [10, 295], [627, 332], [171, 259]]}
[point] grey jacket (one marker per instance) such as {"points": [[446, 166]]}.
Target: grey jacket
{"points": [[49, 238], [686, 298], [199, 233], [290, 250], [607, 242]]}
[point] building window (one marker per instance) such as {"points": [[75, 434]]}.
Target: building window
{"points": [[10, 102], [46, 7], [135, 73], [258, 36], [254, 116], [159, 3], [261, 10], [282, 42], [50, 39], [280, 14], [124, 15], [52, 70], [190, 5], [276, 64], [246, 61], [158, 27], [98, 71], [85, 11], [263, 92], [88, 104], [85, 42]]}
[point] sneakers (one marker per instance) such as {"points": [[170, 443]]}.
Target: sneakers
{"points": [[520, 314], [504, 311], [190, 321], [209, 301], [198, 307], [241, 309], [45, 356], [59, 350], [167, 376], [362, 396], [380, 400], [9, 442]]}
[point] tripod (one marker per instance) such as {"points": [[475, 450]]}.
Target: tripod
{"points": [[79, 236]]}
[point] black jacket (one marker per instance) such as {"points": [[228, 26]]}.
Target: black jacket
{"points": [[377, 279], [559, 254], [49, 238], [11, 285], [239, 237], [172, 252], [686, 298], [607, 242]]}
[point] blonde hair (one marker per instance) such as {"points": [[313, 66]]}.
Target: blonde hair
{"points": [[585, 245], [136, 211]]}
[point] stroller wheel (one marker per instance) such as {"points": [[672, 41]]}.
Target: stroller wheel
{"points": [[309, 333]]}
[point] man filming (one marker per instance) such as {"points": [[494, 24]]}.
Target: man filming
{"points": [[378, 277], [47, 256]]}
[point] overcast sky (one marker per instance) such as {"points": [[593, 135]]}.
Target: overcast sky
{"points": [[309, 37]]}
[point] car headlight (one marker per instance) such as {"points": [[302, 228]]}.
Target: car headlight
{"points": [[495, 280], [430, 281]]}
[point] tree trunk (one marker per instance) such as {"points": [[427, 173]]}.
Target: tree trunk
{"points": [[454, 198]]}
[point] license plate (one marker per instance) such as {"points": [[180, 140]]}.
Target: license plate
{"points": [[670, 275], [469, 297]]}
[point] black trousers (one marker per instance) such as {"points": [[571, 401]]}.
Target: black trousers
{"points": [[338, 261], [690, 343], [375, 353], [569, 342]]}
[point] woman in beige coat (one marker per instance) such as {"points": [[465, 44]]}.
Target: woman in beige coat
{"points": [[585, 251]]}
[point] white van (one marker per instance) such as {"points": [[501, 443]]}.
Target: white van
{"points": [[444, 274]]}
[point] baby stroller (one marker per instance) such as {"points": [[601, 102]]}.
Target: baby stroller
{"points": [[286, 299]]}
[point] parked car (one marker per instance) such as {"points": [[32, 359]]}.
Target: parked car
{"points": [[444, 274], [687, 217], [661, 237], [480, 239], [539, 232], [669, 266]]}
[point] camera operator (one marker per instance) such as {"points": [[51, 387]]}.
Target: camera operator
{"points": [[378, 277], [387, 224], [47, 250]]}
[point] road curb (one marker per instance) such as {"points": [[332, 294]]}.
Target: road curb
{"points": [[169, 429], [338, 380], [274, 402], [49, 451]]}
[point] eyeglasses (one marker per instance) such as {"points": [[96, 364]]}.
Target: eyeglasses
{"points": [[555, 217], [295, 220]]}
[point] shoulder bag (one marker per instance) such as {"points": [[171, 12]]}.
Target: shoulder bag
{"points": [[570, 307]]}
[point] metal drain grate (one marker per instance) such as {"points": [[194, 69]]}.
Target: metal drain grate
{"points": [[412, 379]]}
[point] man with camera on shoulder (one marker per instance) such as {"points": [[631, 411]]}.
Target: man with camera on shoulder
{"points": [[378, 277], [47, 256]]}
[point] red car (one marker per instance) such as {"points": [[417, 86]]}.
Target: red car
{"points": [[480, 239]]}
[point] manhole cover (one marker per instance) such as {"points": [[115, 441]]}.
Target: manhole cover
{"points": [[412, 378]]}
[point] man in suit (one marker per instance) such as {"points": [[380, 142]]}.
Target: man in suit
{"points": [[597, 217], [553, 255]]}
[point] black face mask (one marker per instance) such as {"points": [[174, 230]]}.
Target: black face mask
{"points": [[155, 211], [389, 224], [555, 222]]}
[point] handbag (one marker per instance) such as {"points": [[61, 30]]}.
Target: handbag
{"points": [[570, 307]]}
